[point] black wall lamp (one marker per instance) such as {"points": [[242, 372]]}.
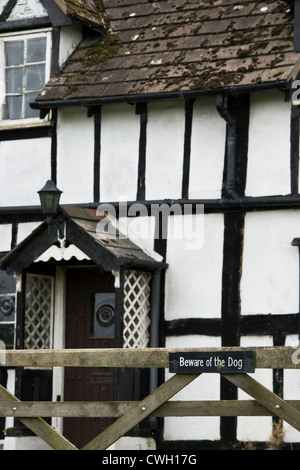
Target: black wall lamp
{"points": [[50, 197]]}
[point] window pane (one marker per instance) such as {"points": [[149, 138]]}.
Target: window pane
{"points": [[35, 77], [13, 107], [14, 53], [29, 112], [36, 50], [14, 80]]}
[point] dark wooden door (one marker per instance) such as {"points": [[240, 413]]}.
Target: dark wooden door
{"points": [[89, 324]]}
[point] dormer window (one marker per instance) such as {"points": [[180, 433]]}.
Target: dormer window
{"points": [[26, 59]]}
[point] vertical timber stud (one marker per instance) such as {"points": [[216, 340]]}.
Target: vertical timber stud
{"points": [[232, 256], [142, 110], [296, 242], [189, 104], [294, 142], [97, 153]]}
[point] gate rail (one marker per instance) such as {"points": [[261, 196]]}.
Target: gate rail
{"points": [[265, 402]]}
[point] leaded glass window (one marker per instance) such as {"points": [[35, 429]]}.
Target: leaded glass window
{"points": [[38, 312], [26, 69]]}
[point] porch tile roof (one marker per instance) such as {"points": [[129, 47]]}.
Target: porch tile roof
{"points": [[105, 244], [178, 46]]}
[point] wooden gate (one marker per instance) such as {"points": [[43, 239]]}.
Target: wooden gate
{"points": [[265, 402]]}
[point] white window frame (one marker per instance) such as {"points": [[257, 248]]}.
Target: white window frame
{"points": [[43, 33]]}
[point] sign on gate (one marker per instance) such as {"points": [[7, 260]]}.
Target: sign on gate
{"points": [[224, 362]]}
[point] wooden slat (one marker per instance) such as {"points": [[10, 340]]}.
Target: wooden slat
{"points": [[140, 411], [265, 357], [266, 398], [93, 409], [39, 426]]}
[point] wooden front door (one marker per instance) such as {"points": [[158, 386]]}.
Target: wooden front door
{"points": [[89, 324]]}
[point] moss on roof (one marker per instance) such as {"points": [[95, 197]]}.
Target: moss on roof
{"points": [[177, 46]]}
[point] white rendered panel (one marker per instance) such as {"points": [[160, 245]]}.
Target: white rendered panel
{"points": [[207, 151], [194, 277], [24, 169], [268, 170], [270, 271], [75, 160], [5, 237], [164, 156], [120, 132], [25, 9]]}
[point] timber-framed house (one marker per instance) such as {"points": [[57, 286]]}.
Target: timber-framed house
{"points": [[181, 120]]}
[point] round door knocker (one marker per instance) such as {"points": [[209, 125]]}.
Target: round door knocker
{"points": [[105, 315], [7, 306]]}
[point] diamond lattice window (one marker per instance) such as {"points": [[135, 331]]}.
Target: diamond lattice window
{"points": [[136, 309], [38, 312]]}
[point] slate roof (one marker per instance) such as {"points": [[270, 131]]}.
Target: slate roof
{"points": [[178, 46]]}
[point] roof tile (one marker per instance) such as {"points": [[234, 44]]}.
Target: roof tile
{"points": [[177, 45]]}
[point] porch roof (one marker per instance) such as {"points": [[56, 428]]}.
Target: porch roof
{"points": [[97, 236], [163, 49]]}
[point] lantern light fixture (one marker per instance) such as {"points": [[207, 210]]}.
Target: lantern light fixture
{"points": [[49, 198]]}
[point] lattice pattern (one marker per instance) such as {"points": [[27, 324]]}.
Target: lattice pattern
{"points": [[38, 311], [136, 319]]}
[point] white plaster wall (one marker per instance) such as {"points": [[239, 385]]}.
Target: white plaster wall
{"points": [[75, 155], [139, 229], [25, 229], [270, 272], [291, 390], [255, 428], [27, 9], [120, 130], [70, 36], [207, 151], [269, 145], [205, 387], [24, 169], [194, 277], [5, 237], [164, 156]]}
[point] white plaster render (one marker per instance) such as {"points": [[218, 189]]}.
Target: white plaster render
{"points": [[164, 155], [75, 159], [270, 271], [268, 170], [70, 36], [194, 277], [25, 9], [18, 182], [5, 237], [120, 130], [25, 229], [207, 151]]}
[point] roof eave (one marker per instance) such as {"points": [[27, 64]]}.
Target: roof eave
{"points": [[281, 85]]}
